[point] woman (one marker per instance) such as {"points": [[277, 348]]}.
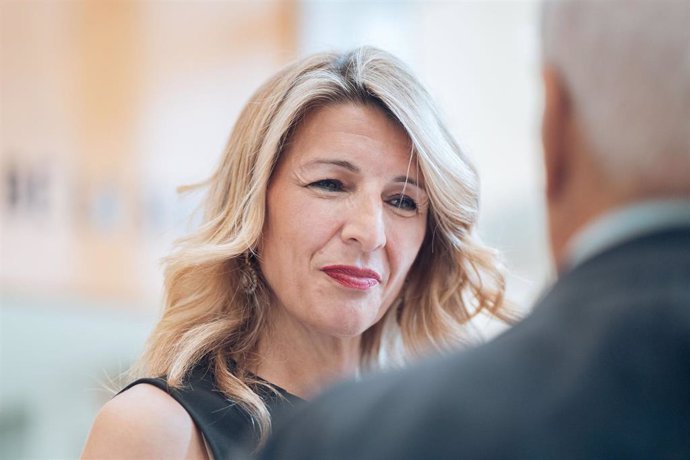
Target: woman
{"points": [[338, 236]]}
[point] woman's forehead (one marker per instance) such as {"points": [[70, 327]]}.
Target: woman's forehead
{"points": [[354, 137]]}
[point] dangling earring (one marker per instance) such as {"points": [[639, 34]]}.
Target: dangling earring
{"points": [[248, 278], [400, 301]]}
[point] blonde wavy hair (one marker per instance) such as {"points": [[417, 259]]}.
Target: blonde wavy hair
{"points": [[207, 314]]}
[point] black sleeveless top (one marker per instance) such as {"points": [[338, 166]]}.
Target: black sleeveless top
{"points": [[226, 427]]}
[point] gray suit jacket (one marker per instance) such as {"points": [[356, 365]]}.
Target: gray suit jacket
{"points": [[599, 370]]}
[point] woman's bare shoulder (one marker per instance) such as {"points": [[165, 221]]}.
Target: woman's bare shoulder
{"points": [[144, 422]]}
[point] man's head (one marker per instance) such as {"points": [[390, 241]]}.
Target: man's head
{"points": [[616, 125]]}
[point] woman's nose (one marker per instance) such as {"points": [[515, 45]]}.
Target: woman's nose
{"points": [[364, 225]]}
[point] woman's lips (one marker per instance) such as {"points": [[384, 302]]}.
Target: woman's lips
{"points": [[353, 277]]}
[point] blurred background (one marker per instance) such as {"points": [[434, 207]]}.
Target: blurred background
{"points": [[108, 106]]}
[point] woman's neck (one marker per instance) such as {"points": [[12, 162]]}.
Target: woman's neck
{"points": [[302, 361]]}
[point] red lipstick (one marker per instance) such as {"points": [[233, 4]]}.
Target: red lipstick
{"points": [[353, 277]]}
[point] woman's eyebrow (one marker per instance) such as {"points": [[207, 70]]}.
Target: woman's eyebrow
{"points": [[341, 163], [407, 180], [351, 167]]}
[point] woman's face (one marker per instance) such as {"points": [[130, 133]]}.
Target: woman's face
{"points": [[346, 216]]}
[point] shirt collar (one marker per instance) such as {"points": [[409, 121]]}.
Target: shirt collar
{"points": [[624, 224]]}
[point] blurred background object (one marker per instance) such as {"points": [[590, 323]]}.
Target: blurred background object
{"points": [[108, 106]]}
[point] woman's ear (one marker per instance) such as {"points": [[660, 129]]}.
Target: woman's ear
{"points": [[555, 121]]}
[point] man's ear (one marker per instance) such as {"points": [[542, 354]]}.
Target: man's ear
{"points": [[557, 113]]}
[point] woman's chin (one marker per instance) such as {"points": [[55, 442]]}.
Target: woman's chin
{"points": [[344, 327]]}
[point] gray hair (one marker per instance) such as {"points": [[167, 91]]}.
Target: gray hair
{"points": [[626, 65]]}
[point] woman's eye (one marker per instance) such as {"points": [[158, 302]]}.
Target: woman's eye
{"points": [[403, 202], [329, 185]]}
